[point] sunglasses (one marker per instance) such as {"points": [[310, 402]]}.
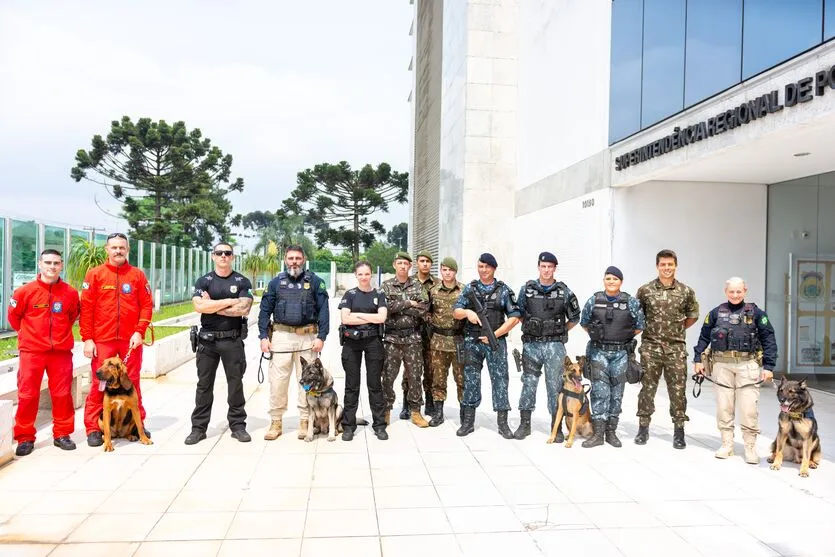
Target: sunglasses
{"points": [[117, 235], [227, 253]]}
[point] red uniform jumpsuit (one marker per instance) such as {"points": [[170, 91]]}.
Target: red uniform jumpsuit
{"points": [[43, 315], [115, 303]]}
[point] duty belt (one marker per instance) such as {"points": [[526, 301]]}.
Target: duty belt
{"points": [[232, 333], [446, 332], [549, 338], [611, 346], [357, 334], [733, 357], [310, 329]]}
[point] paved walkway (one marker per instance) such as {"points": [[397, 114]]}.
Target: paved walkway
{"points": [[423, 491]]}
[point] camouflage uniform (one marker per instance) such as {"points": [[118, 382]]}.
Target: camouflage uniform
{"points": [[402, 339], [476, 352], [608, 366], [663, 348], [447, 331], [425, 336]]}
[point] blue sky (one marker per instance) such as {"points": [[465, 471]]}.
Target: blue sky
{"points": [[281, 85]]}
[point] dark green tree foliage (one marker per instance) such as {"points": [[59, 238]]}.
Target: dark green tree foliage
{"points": [[399, 236], [338, 202], [281, 229], [381, 255], [172, 182]]}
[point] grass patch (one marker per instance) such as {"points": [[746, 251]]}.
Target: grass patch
{"points": [[173, 310]]}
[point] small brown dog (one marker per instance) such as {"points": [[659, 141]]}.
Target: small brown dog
{"points": [[797, 429], [120, 408], [573, 403]]}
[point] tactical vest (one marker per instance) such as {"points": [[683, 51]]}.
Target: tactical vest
{"points": [[735, 330], [611, 322], [295, 302], [544, 313], [492, 307]]}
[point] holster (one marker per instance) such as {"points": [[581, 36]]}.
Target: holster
{"points": [[341, 335], [634, 372], [461, 353], [193, 337], [244, 328]]}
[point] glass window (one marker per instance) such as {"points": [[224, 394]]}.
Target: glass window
{"points": [[662, 92], [776, 30], [146, 261], [133, 252], [24, 248], [714, 48], [55, 238], [625, 79], [158, 260], [101, 239], [170, 274], [829, 15], [80, 234]]}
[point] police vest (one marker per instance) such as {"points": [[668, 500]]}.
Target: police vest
{"points": [[544, 313], [735, 330], [295, 302], [492, 307], [611, 322]]}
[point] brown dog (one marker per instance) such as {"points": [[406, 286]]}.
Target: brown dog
{"points": [[120, 407], [573, 403], [797, 429]]}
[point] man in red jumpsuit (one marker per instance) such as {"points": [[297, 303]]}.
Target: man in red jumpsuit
{"points": [[116, 309], [43, 312]]}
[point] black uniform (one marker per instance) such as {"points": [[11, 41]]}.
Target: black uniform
{"points": [[221, 338], [742, 327], [359, 339]]}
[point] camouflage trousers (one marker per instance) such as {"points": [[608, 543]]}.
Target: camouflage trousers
{"points": [[411, 356], [476, 352], [440, 362], [535, 356], [674, 369], [427, 369], [608, 380]]}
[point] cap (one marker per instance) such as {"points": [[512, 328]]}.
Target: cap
{"points": [[403, 255], [426, 254], [488, 259], [612, 270], [547, 257], [451, 263]]}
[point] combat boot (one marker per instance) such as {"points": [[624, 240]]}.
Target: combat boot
{"points": [[429, 410], [611, 433], [303, 423], [524, 428], [438, 416], [751, 456], [274, 432], [418, 420], [599, 432], [727, 448], [460, 414], [388, 417], [404, 414], [501, 422], [678, 437], [559, 437], [467, 421], [643, 435]]}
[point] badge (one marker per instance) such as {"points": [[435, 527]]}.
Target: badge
{"points": [[147, 288], [126, 288], [57, 307], [233, 289], [85, 285], [13, 302], [307, 286], [734, 319], [375, 301]]}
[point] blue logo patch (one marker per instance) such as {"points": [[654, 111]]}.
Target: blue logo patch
{"points": [[126, 288], [57, 307]]}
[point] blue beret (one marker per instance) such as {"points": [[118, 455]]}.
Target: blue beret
{"points": [[488, 259], [547, 257], [612, 270]]}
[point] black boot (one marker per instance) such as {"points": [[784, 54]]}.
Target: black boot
{"points": [[461, 414], [678, 437], [467, 421], [438, 415], [501, 421], [560, 437], [429, 410], [404, 414], [599, 431], [524, 428], [611, 433], [643, 435]]}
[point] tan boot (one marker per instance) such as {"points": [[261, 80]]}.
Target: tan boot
{"points": [[727, 448], [419, 420], [274, 432], [388, 417], [751, 456], [302, 428]]}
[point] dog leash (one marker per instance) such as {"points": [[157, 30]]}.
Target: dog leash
{"points": [[270, 357], [699, 379]]}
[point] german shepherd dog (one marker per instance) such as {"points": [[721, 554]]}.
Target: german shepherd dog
{"points": [[797, 433], [322, 400], [573, 403], [120, 407]]}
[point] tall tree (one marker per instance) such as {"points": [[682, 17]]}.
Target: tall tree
{"points": [[399, 236], [280, 229], [339, 201], [172, 182]]}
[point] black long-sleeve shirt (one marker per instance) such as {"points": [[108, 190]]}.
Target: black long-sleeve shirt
{"points": [[765, 333]]}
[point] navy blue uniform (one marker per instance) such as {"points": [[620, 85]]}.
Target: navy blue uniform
{"points": [[765, 333], [314, 304]]}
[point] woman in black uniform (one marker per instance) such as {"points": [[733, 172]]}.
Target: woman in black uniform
{"points": [[363, 311]]}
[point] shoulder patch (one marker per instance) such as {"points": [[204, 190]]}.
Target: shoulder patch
{"points": [[85, 285], [321, 285], [764, 320], [13, 302], [707, 319]]}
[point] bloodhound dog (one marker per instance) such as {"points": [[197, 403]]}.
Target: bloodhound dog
{"points": [[120, 408]]}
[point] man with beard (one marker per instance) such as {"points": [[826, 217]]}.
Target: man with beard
{"points": [[297, 302]]}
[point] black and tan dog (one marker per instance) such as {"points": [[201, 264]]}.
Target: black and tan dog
{"points": [[322, 400], [797, 429], [120, 408], [573, 403]]}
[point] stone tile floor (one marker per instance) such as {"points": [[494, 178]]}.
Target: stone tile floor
{"points": [[423, 491]]}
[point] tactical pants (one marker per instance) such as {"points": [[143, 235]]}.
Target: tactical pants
{"points": [[352, 352], [281, 370], [674, 368], [104, 350], [535, 356], [230, 351], [411, 355], [476, 353], [427, 367], [608, 380], [748, 398], [58, 366], [440, 362]]}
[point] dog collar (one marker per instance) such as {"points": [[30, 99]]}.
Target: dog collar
{"points": [[311, 392]]}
